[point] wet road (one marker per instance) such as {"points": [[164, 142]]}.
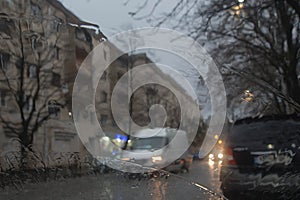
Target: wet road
{"points": [[120, 187], [206, 173]]}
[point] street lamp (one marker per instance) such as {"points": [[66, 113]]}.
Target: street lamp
{"points": [[247, 96], [236, 10]]}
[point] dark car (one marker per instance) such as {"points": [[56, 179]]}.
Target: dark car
{"points": [[262, 156]]}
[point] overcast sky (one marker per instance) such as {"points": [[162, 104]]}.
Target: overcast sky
{"points": [[112, 15]]}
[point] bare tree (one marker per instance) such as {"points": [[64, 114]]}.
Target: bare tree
{"points": [[30, 80], [257, 42]]}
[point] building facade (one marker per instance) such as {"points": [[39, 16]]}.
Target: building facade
{"points": [[42, 45]]}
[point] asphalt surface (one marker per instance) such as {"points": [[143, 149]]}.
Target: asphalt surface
{"points": [[192, 185]]}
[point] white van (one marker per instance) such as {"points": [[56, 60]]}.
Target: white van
{"points": [[159, 148]]}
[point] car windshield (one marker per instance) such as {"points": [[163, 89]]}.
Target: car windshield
{"points": [[91, 93], [152, 143]]}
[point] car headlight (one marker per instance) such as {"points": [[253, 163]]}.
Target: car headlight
{"points": [[211, 156], [220, 156], [156, 159], [125, 159]]}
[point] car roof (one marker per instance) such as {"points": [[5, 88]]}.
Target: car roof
{"points": [[157, 132], [295, 116], [152, 132]]}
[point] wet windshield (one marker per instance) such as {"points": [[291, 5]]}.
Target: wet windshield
{"points": [[140, 99]]}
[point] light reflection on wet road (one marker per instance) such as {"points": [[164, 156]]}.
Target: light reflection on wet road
{"points": [[206, 173]]}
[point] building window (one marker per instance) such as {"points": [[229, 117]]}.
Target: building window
{"points": [[114, 123], [4, 58], [8, 132], [103, 97], [104, 75], [33, 39], [83, 35], [28, 103], [64, 136], [36, 43], [32, 71], [56, 24], [79, 34], [53, 108], [4, 28], [10, 2], [35, 10], [103, 119], [2, 98], [151, 91], [65, 88], [55, 79], [91, 116], [57, 52], [104, 54], [119, 75]]}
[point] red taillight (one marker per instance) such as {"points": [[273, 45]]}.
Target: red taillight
{"points": [[228, 157]]}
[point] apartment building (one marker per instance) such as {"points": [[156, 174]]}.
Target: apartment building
{"points": [[42, 45]]}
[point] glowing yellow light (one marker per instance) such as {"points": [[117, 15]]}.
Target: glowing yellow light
{"points": [[220, 142], [236, 8], [248, 99], [156, 158], [216, 137], [247, 96]]}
